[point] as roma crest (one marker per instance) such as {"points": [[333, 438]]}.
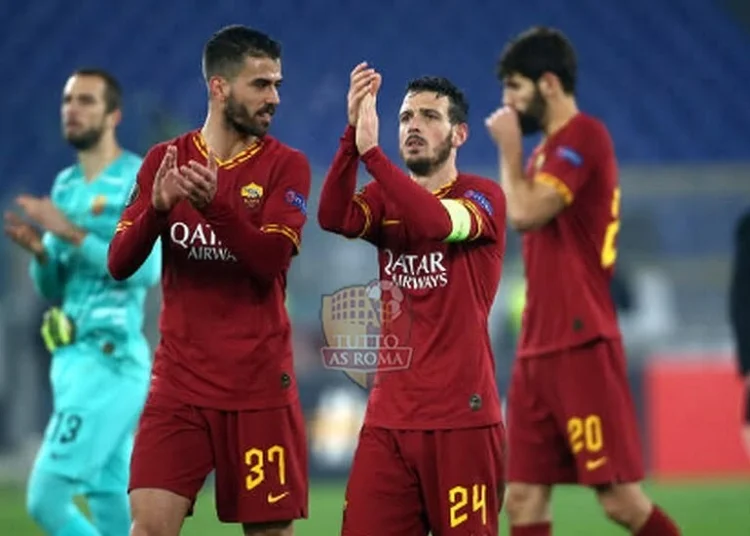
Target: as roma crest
{"points": [[98, 204], [252, 194]]}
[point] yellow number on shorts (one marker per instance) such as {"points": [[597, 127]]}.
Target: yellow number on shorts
{"points": [[276, 455], [585, 433], [458, 497], [256, 458], [609, 248]]}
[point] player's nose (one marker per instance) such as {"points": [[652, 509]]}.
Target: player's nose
{"points": [[274, 97], [413, 125], [69, 115]]}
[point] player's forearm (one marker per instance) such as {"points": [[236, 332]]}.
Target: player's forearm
{"points": [[337, 210], [263, 254], [45, 274], [519, 193], [133, 243], [92, 250], [148, 274], [422, 212]]}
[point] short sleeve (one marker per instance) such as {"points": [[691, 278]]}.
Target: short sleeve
{"points": [[572, 156], [285, 212], [486, 204]]}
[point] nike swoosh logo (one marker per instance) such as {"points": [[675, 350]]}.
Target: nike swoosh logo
{"points": [[592, 465], [275, 498]]}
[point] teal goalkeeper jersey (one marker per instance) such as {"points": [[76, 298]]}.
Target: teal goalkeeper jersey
{"points": [[108, 314]]}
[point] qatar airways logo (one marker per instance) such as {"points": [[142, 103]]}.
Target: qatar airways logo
{"points": [[200, 242], [416, 272]]}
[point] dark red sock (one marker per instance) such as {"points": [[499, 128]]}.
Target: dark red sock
{"points": [[537, 529], [659, 524]]}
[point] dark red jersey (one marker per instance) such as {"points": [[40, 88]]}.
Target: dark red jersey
{"points": [[570, 260], [436, 295], [225, 334]]}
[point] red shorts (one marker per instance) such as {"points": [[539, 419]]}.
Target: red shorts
{"points": [[260, 457], [408, 483], [571, 418]]}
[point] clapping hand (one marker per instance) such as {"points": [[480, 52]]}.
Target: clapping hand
{"points": [[363, 80], [199, 181], [23, 234], [168, 189]]}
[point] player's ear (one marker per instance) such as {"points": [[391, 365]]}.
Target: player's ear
{"points": [[548, 84], [218, 88], [460, 134], [114, 118]]}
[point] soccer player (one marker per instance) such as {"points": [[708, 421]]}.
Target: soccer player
{"points": [[570, 414], [739, 300], [430, 453], [229, 202], [100, 358]]}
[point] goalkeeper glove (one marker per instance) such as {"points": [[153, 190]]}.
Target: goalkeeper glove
{"points": [[57, 329]]}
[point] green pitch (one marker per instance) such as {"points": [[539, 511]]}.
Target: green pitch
{"points": [[705, 508]]}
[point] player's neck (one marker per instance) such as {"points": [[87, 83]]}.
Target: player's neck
{"points": [[93, 161], [560, 114], [225, 142], [441, 177]]}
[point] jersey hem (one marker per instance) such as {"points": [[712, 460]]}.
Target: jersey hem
{"points": [[554, 348], [222, 404], [445, 425]]}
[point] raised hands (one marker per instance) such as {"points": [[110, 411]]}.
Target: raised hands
{"points": [[44, 213], [168, 189], [200, 181], [368, 125], [23, 234], [192, 181], [504, 128], [363, 80]]}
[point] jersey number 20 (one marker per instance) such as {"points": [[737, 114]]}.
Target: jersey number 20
{"points": [[609, 248]]}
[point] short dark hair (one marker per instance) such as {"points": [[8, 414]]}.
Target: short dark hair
{"points": [[225, 53], [540, 50], [112, 88], [458, 106]]}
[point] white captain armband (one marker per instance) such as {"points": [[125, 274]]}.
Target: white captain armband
{"points": [[460, 220]]}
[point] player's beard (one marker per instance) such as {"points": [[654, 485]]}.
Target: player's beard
{"points": [[239, 119], [424, 166], [87, 139], [532, 118]]}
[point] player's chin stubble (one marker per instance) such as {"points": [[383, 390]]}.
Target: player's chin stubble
{"points": [[531, 119], [424, 166], [239, 119], [86, 139]]}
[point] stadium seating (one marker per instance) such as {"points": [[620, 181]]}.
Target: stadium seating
{"points": [[667, 77], [664, 75]]}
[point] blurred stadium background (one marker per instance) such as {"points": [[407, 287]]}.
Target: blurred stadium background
{"points": [[669, 77]]}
